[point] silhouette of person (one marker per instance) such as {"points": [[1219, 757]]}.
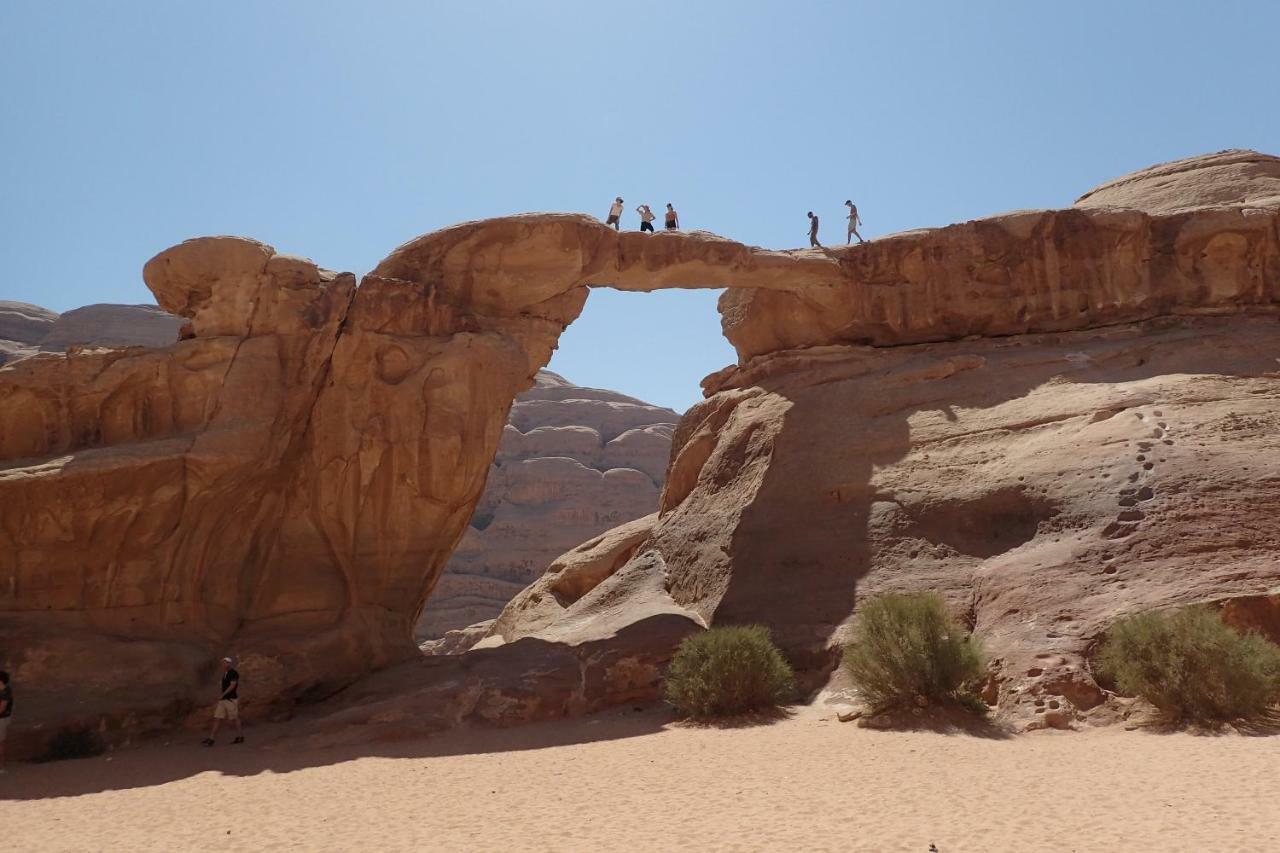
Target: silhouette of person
{"points": [[813, 230], [646, 218], [615, 213], [854, 221]]}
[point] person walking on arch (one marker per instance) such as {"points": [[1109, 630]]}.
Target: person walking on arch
{"points": [[646, 218], [672, 219], [615, 213], [228, 705], [813, 230], [854, 221]]}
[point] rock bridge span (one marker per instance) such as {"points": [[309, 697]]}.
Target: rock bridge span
{"points": [[289, 479]]}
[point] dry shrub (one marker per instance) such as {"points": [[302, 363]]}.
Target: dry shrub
{"points": [[727, 671], [906, 646], [1191, 665]]}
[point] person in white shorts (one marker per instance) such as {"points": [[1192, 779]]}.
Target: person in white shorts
{"points": [[854, 221], [228, 705]]}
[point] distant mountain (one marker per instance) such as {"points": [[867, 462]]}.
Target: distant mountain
{"points": [[573, 463], [27, 329]]}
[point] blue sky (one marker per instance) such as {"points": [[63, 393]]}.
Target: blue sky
{"points": [[338, 130]]}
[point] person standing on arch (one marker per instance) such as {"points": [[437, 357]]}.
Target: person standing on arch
{"points": [[615, 213], [813, 230], [673, 218], [646, 218], [854, 221]]}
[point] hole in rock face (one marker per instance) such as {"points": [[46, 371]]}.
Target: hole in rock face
{"points": [[985, 525]]}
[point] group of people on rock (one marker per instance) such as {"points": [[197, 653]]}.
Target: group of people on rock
{"points": [[672, 220], [854, 221]]}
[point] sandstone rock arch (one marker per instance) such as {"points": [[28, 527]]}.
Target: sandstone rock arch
{"points": [[289, 479]]}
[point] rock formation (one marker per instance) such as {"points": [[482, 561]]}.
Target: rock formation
{"points": [[573, 462], [112, 326], [963, 408], [22, 328], [28, 329]]}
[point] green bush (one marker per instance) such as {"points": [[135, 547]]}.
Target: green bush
{"points": [[72, 742], [906, 646], [726, 671], [1191, 665]]}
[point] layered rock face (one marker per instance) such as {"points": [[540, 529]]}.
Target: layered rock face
{"points": [[573, 462], [22, 328], [112, 326], [28, 329], [289, 481]]}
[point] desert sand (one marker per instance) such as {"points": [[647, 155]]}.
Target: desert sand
{"points": [[638, 780]]}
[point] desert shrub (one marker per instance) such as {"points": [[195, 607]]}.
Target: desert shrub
{"points": [[1191, 665], [729, 670], [907, 645], [72, 742]]}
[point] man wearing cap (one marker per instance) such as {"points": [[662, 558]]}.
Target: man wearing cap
{"points": [[228, 706]]}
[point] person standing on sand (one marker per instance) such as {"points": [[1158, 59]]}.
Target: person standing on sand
{"points": [[813, 230], [673, 218], [615, 213], [228, 706], [646, 218], [6, 712], [854, 221]]}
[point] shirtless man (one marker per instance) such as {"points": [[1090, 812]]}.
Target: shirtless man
{"points": [[813, 230], [672, 218], [615, 213], [854, 221], [646, 218]]}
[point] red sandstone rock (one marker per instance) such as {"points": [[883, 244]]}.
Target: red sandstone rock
{"points": [[288, 482]]}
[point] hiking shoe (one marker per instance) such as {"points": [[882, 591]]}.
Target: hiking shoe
{"points": [[207, 741], [239, 739]]}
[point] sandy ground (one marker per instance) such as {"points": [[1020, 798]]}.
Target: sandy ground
{"points": [[636, 781]]}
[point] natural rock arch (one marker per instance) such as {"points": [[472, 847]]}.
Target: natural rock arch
{"points": [[309, 455]]}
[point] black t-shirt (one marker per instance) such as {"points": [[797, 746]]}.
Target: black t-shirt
{"points": [[228, 677], [6, 696]]}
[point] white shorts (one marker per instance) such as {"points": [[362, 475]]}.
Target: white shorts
{"points": [[227, 709], [4, 728]]}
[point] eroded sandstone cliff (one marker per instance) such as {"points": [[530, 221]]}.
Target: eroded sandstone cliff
{"points": [[288, 482]]}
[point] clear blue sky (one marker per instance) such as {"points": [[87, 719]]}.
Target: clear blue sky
{"points": [[338, 130]]}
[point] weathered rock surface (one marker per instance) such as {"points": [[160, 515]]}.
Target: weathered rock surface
{"points": [[23, 323], [1046, 484], [1227, 179], [22, 327], [1152, 244], [28, 329], [573, 462], [288, 482], [112, 326]]}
